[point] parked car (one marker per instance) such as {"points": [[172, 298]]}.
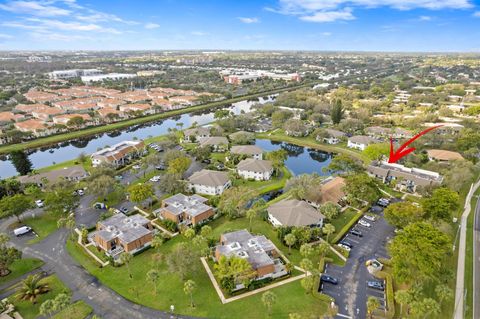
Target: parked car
{"points": [[160, 167], [206, 161], [375, 285], [364, 223], [356, 232], [344, 247], [80, 192], [124, 210], [22, 230], [100, 206], [136, 166], [370, 218], [376, 209], [119, 177], [39, 203], [384, 202], [346, 243], [155, 178], [329, 279]]}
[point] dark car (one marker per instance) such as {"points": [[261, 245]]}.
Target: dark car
{"points": [[383, 202], [356, 232], [160, 167], [346, 243], [329, 279], [376, 285], [100, 206], [376, 209], [124, 210], [206, 161]]}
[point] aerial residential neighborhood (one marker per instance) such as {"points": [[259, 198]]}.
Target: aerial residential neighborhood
{"points": [[239, 159]]}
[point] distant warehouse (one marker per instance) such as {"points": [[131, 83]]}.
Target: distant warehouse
{"points": [[110, 76], [70, 74]]}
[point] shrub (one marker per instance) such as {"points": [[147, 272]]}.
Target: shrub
{"points": [[169, 225], [347, 226], [389, 291]]}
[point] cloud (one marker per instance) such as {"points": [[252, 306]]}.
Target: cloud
{"points": [[35, 8], [424, 18], [333, 10], [476, 14], [329, 16], [151, 26], [248, 20], [5, 36], [326, 34], [199, 33]]}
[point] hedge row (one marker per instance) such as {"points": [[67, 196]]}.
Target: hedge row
{"points": [[347, 226], [389, 290]]}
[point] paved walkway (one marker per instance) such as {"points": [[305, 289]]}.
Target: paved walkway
{"points": [[460, 287], [250, 293]]}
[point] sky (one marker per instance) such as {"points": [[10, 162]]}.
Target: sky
{"points": [[324, 25]]}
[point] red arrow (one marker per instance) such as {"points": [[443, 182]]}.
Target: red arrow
{"points": [[403, 150]]}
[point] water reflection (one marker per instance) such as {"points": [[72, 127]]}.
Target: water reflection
{"points": [[71, 149]]}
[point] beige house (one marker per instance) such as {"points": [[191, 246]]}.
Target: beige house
{"points": [[249, 150], [294, 212], [209, 182], [259, 170]]}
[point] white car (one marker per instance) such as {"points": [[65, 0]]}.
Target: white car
{"points": [[22, 230], [370, 218], [80, 192], [136, 166], [364, 223], [155, 179], [39, 203], [344, 247]]}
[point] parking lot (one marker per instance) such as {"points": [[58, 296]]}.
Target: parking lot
{"points": [[351, 292]]}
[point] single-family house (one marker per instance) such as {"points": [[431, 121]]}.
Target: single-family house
{"points": [[250, 168], [74, 173], [64, 119], [333, 136], [209, 182]]}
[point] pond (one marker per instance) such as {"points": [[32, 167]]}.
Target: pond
{"points": [[70, 150], [300, 160]]}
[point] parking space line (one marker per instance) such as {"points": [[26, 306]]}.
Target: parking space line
{"points": [[343, 316]]}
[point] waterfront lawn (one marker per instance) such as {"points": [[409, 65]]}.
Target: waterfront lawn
{"points": [[87, 165], [266, 186], [291, 297], [77, 310], [29, 310], [21, 267]]}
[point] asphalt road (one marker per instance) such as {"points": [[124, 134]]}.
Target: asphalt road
{"points": [[351, 293], [476, 262]]}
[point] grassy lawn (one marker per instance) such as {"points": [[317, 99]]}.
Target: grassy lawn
{"points": [[77, 310], [21, 267], [266, 186], [469, 260], [29, 310], [42, 225], [342, 220], [97, 253], [87, 165], [291, 297]]}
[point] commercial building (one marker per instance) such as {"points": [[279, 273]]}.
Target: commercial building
{"points": [[111, 76], [70, 74]]}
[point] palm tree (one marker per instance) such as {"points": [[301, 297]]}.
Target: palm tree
{"points": [[268, 300], [189, 287], [251, 214], [153, 276], [372, 305], [31, 288], [125, 259], [290, 240], [403, 297], [323, 249], [328, 229]]}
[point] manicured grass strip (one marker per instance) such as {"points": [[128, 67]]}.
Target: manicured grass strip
{"points": [[29, 310], [469, 260], [49, 140], [77, 310], [390, 313], [21, 267], [42, 225]]}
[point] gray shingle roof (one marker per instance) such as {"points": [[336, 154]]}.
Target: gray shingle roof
{"points": [[293, 212], [209, 178], [192, 205], [254, 165], [125, 228], [213, 140], [362, 139], [246, 149], [73, 172]]}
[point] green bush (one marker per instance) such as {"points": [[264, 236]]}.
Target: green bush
{"points": [[389, 291], [169, 225]]}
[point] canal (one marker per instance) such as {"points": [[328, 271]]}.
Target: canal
{"points": [[69, 150]]}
